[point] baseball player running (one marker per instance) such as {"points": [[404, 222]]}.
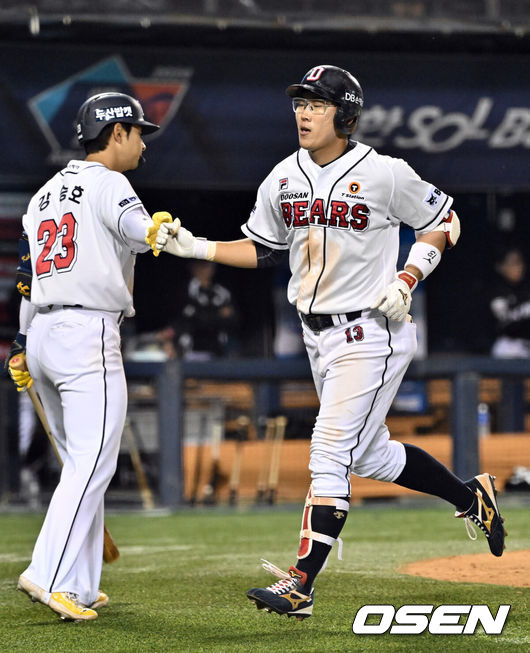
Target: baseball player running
{"points": [[82, 231], [336, 205]]}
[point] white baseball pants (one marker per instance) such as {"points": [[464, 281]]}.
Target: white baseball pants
{"points": [[75, 360], [357, 373]]}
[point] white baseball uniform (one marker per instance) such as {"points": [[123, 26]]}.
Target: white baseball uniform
{"points": [[340, 223], [84, 228]]}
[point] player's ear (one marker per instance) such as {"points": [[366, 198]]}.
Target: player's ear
{"points": [[118, 132]]}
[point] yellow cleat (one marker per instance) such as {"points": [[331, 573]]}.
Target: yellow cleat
{"points": [[101, 601], [34, 592], [68, 606]]}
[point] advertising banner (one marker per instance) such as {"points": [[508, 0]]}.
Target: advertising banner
{"points": [[461, 122]]}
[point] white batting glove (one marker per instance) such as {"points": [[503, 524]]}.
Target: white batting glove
{"points": [[175, 239], [165, 236], [395, 300]]}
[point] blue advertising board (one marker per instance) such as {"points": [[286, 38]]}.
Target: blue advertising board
{"points": [[461, 122]]}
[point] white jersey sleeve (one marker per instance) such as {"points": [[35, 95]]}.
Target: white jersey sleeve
{"points": [[414, 201], [123, 213], [265, 224]]}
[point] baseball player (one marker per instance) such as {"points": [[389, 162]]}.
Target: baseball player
{"points": [[336, 206], [82, 231]]}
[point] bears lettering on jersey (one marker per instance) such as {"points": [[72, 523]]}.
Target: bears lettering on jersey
{"points": [[340, 214]]}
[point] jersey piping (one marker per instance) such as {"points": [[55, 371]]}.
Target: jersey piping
{"points": [[325, 230], [435, 217], [312, 194], [381, 385], [76, 172], [97, 457], [120, 231], [272, 242]]}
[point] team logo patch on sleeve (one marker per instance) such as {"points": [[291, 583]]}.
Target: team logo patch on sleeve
{"points": [[433, 196], [127, 200], [284, 183]]}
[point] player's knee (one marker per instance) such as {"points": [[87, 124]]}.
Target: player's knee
{"points": [[331, 484], [328, 463], [384, 465]]}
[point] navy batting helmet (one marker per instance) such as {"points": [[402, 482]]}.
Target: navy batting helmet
{"points": [[105, 108], [337, 85]]}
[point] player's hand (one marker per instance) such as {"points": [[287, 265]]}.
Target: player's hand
{"points": [[177, 240], [160, 217], [168, 240], [18, 371], [394, 301]]}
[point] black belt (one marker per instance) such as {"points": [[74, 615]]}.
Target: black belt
{"points": [[58, 307], [319, 322]]}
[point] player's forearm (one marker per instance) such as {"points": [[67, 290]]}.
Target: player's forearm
{"points": [[175, 239], [237, 253], [26, 314]]}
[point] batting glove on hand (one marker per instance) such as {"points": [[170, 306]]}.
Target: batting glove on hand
{"points": [[160, 217], [394, 301], [18, 371], [175, 239]]}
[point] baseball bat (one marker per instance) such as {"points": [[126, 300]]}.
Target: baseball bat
{"points": [[274, 470], [141, 479], [194, 494], [110, 550], [262, 478], [216, 477], [243, 424]]}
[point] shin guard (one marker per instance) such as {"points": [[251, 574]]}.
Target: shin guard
{"points": [[333, 528]]}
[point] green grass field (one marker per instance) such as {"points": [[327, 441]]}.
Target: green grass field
{"points": [[181, 580]]}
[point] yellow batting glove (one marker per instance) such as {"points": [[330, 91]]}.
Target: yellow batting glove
{"points": [[150, 237], [18, 371]]}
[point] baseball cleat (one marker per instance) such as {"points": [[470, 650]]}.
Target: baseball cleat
{"points": [[484, 512], [100, 602], [67, 605], [286, 596], [34, 592]]}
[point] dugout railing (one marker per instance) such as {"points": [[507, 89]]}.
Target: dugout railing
{"points": [[464, 373], [168, 379]]}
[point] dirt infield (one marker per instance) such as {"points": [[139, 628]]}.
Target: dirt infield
{"points": [[513, 569]]}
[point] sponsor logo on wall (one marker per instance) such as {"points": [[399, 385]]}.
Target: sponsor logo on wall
{"points": [[55, 108]]}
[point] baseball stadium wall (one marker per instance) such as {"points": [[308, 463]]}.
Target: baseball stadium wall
{"points": [[190, 456], [502, 453], [457, 112], [461, 119]]}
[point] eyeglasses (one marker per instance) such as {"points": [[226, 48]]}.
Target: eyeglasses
{"points": [[317, 107]]}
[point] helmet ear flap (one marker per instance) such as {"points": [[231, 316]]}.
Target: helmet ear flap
{"points": [[344, 124]]}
